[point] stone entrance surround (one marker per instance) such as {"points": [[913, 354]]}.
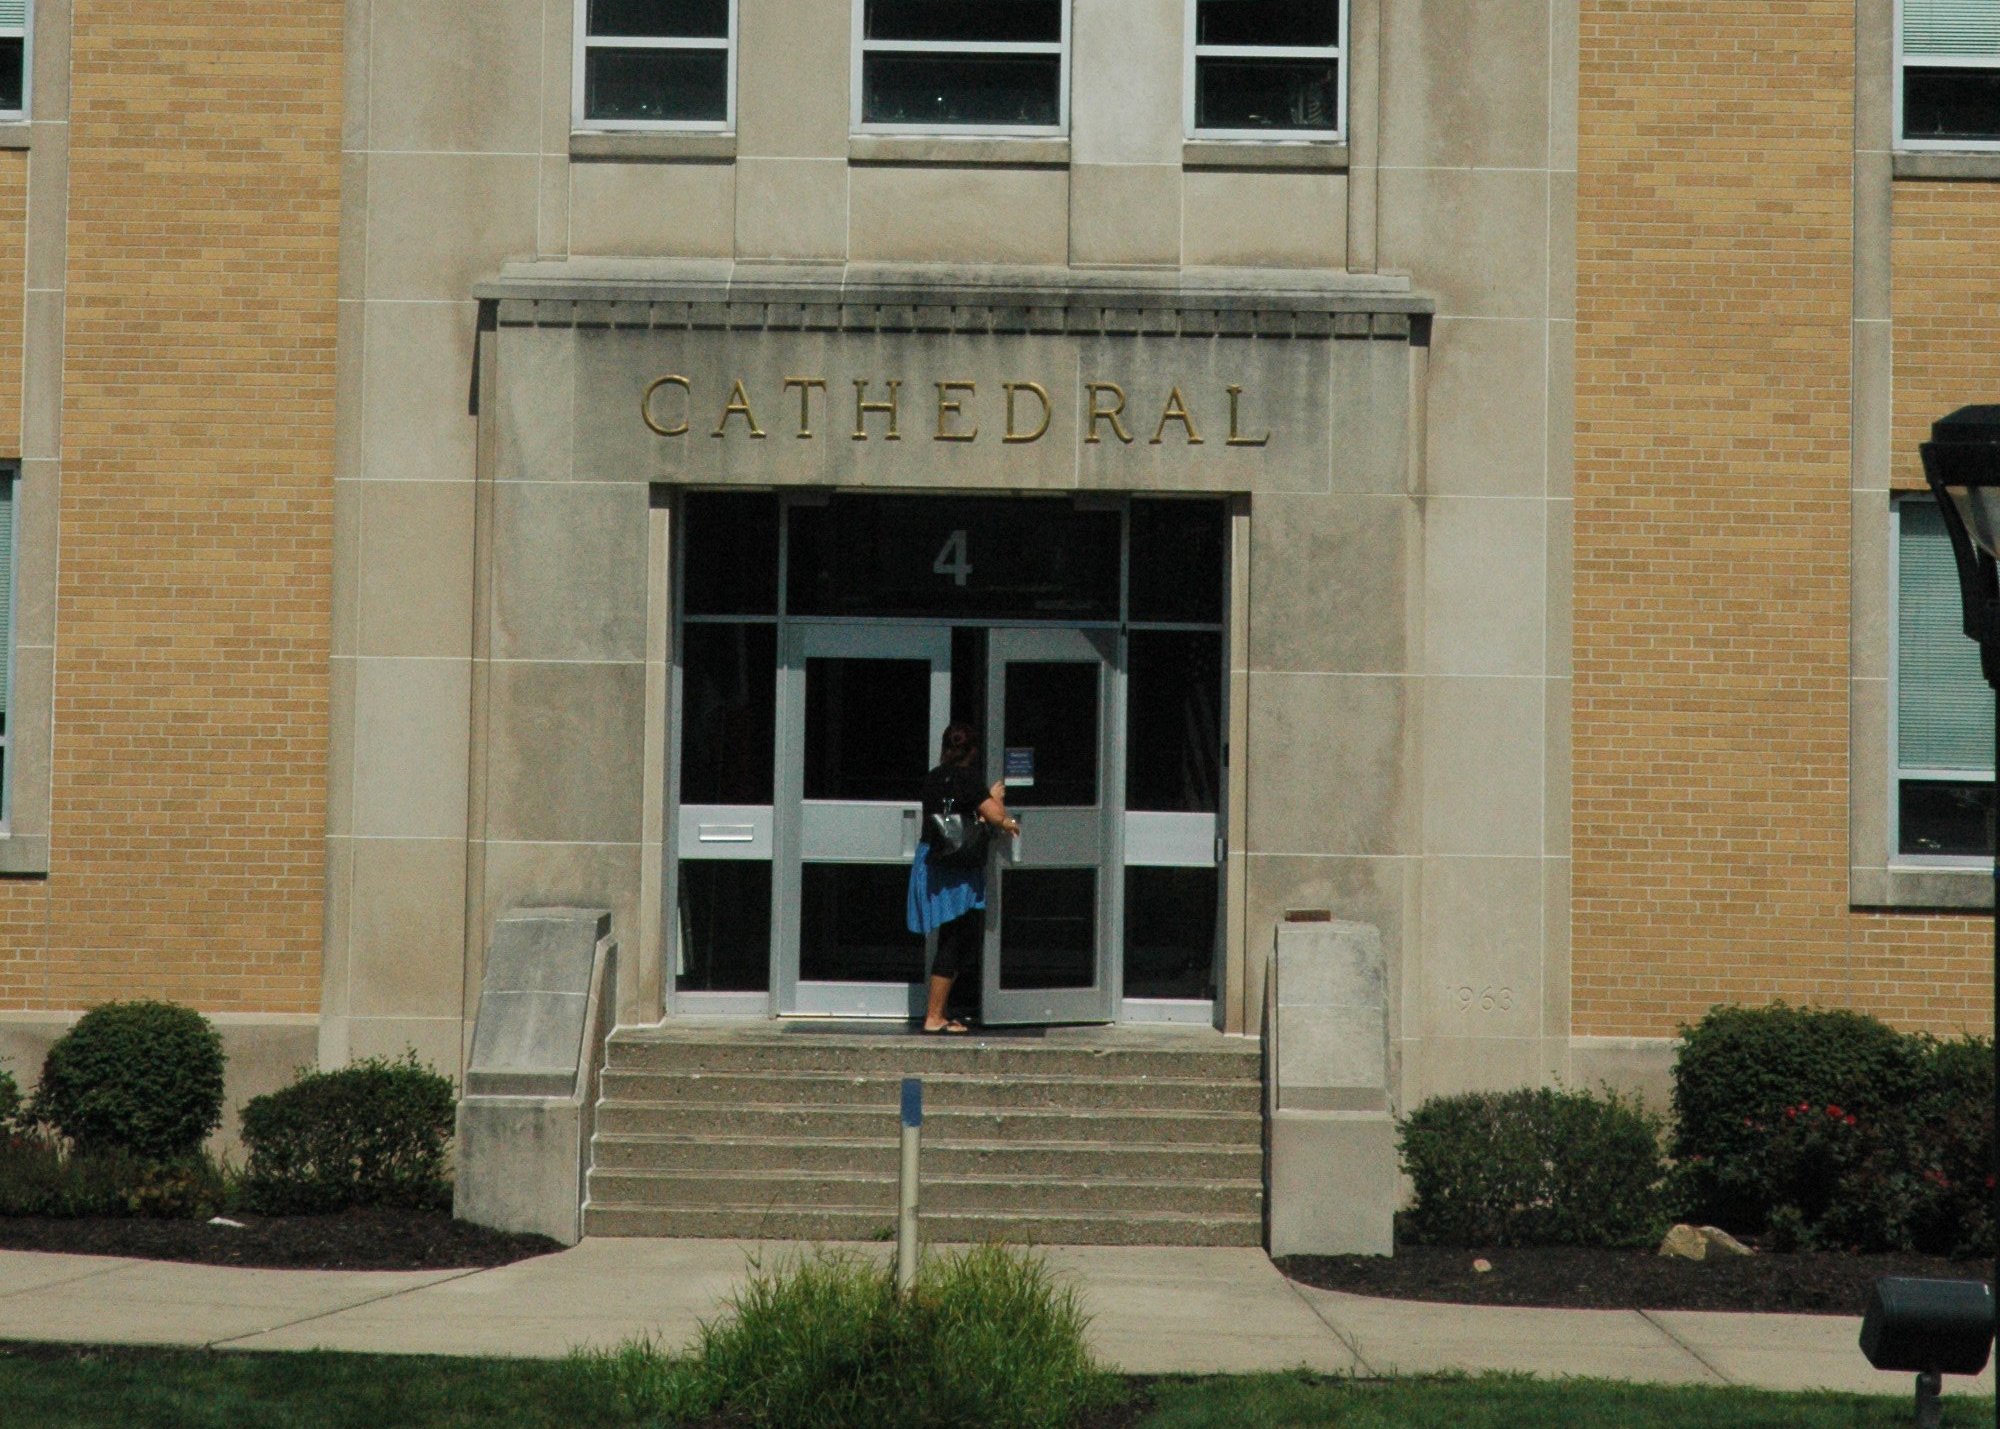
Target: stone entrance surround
{"points": [[570, 783]]}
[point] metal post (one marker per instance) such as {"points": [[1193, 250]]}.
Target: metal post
{"points": [[906, 1223], [1930, 1407]]}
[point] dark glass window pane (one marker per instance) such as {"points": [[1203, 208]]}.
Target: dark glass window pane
{"points": [[731, 553], [868, 728], [1951, 103], [661, 19], [1170, 927], [1051, 711], [729, 711], [1023, 21], [725, 908], [1267, 94], [1268, 22], [656, 84], [1177, 567], [969, 557], [990, 90], [851, 926], [1048, 928], [12, 56], [968, 680], [1945, 818], [1173, 706]]}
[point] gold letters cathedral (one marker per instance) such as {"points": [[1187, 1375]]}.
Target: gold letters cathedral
{"points": [[1019, 414]]}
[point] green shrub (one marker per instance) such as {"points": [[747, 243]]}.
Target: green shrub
{"points": [[39, 1176], [141, 1077], [377, 1133], [10, 1100], [1912, 1177], [986, 1337], [1533, 1167], [1831, 1129]]}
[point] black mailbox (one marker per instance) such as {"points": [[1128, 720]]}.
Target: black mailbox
{"points": [[1928, 1326]]}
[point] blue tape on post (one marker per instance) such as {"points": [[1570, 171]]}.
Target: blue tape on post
{"points": [[913, 1101]]}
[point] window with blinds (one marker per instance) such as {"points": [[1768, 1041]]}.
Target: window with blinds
{"points": [[1266, 69], [13, 59], [1948, 73], [1943, 706], [944, 66], [655, 64]]}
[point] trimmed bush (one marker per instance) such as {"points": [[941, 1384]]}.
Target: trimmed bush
{"points": [[1911, 1177], [1533, 1167], [377, 1133], [986, 1337], [1829, 1128], [41, 1177], [139, 1077], [10, 1100]]}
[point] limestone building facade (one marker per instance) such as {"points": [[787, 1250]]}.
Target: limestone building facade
{"points": [[1449, 463]]}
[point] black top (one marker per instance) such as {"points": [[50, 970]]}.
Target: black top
{"points": [[963, 786]]}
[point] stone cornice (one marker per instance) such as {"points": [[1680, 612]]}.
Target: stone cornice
{"points": [[1210, 303]]}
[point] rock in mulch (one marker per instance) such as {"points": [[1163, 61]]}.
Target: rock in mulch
{"points": [[1695, 1242]]}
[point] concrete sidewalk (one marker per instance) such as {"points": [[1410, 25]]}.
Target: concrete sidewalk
{"points": [[1156, 1310]]}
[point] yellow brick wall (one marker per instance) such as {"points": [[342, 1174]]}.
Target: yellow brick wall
{"points": [[1714, 255], [1946, 272], [191, 715]]}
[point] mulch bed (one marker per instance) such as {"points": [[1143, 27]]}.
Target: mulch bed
{"points": [[1806, 1283], [375, 1239]]}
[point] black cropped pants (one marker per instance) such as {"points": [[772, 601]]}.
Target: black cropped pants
{"points": [[958, 943]]}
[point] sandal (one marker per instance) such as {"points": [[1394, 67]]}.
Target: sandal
{"points": [[950, 1026]]}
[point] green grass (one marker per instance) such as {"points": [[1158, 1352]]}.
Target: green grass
{"points": [[1497, 1401], [64, 1388]]}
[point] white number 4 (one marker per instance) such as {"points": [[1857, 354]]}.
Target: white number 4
{"points": [[952, 560]]}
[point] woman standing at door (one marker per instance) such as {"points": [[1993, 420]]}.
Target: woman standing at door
{"points": [[947, 893]]}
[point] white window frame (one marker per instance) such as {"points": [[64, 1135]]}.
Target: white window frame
{"points": [[1195, 53], [863, 47], [1897, 771], [585, 42], [1904, 63], [25, 33]]}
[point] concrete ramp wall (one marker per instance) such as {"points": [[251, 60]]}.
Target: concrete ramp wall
{"points": [[524, 1122]]}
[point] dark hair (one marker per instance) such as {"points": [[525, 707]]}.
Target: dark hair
{"points": [[960, 746]]}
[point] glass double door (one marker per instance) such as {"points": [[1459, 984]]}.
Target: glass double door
{"points": [[863, 708]]}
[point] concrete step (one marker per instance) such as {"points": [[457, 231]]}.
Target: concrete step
{"points": [[941, 1126], [807, 1190], [1083, 1160], [949, 1090], [1211, 1059], [762, 1222]]}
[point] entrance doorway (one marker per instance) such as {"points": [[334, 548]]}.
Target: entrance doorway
{"points": [[814, 675]]}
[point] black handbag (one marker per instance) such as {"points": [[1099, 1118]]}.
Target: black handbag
{"points": [[957, 837]]}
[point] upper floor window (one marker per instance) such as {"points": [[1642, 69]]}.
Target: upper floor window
{"points": [[655, 64], [1948, 74], [1942, 707], [929, 65], [13, 59], [1264, 69]]}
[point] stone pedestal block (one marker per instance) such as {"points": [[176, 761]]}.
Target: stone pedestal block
{"points": [[1331, 1137], [546, 1004]]}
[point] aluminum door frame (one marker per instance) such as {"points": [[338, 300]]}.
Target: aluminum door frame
{"points": [[799, 643], [1100, 1002]]}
